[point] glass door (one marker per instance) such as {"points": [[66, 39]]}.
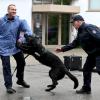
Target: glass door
{"points": [[65, 26], [52, 29]]}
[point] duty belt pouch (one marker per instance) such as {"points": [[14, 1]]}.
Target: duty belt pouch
{"points": [[73, 62], [67, 62], [98, 63]]}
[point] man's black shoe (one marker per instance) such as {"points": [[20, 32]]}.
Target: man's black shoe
{"points": [[11, 90], [83, 91], [23, 83]]}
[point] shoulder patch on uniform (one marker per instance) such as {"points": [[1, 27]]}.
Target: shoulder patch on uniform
{"points": [[94, 31]]}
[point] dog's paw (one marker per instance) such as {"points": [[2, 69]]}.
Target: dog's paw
{"points": [[50, 88], [49, 85], [47, 90], [76, 84]]}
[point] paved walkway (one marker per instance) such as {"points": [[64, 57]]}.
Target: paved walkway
{"points": [[36, 75]]}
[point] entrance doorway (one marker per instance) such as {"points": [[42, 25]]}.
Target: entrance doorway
{"points": [[51, 36], [53, 28]]}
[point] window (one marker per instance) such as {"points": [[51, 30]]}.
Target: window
{"points": [[63, 2], [65, 29], [94, 5], [52, 30], [42, 1], [37, 25]]}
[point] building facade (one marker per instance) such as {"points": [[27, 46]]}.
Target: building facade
{"points": [[90, 10], [49, 19]]}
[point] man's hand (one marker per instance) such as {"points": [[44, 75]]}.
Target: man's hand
{"points": [[58, 50], [19, 41]]}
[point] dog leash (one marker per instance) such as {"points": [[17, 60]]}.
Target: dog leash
{"points": [[16, 67]]}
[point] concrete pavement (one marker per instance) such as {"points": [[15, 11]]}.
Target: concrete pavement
{"points": [[37, 76]]}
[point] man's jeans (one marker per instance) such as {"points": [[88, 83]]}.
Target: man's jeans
{"points": [[7, 71], [19, 57]]}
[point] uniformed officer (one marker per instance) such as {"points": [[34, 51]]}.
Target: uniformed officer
{"points": [[88, 37]]}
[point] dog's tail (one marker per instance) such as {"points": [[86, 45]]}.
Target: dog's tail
{"points": [[72, 77]]}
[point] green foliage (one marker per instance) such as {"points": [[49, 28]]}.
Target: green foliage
{"points": [[64, 2], [67, 2]]}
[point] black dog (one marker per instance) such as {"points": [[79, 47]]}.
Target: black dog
{"points": [[58, 69]]}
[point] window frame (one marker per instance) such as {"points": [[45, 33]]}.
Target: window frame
{"points": [[41, 2], [92, 9]]}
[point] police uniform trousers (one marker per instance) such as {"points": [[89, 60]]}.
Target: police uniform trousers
{"points": [[92, 61]]}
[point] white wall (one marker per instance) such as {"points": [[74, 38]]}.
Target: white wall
{"points": [[24, 8], [90, 17]]}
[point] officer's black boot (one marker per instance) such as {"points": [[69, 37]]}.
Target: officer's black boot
{"points": [[84, 90], [23, 83], [99, 72]]}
